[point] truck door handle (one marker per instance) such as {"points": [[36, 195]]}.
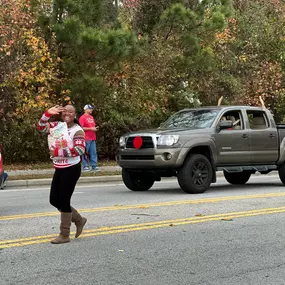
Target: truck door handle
{"points": [[271, 136], [245, 136]]}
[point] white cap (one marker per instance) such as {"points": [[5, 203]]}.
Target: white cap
{"points": [[88, 106]]}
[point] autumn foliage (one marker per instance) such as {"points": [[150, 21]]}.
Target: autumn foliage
{"points": [[137, 62], [29, 69]]}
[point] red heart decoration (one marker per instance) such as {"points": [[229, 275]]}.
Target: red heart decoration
{"points": [[137, 142]]}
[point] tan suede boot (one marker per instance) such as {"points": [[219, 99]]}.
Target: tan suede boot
{"points": [[79, 222], [64, 229]]}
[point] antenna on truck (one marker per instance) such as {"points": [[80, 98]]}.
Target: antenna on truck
{"points": [[220, 100], [262, 102]]}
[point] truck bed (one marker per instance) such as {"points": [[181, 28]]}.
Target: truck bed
{"points": [[281, 131]]}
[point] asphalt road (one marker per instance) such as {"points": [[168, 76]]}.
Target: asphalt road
{"points": [[226, 236]]}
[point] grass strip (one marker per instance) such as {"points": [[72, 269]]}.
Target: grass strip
{"points": [[47, 176]]}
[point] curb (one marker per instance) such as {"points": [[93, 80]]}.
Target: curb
{"points": [[88, 180], [47, 181]]}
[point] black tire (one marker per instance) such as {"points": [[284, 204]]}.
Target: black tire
{"points": [[281, 172], [239, 178], [196, 175], [137, 181]]}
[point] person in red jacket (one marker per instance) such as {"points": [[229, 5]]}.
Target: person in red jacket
{"points": [[88, 124]]}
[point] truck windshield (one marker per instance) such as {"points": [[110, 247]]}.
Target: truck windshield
{"points": [[194, 119]]}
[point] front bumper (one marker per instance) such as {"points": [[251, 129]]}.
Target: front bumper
{"points": [[157, 158]]}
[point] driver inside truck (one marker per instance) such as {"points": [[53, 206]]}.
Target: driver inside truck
{"points": [[235, 120]]}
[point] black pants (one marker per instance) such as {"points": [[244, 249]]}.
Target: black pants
{"points": [[63, 185]]}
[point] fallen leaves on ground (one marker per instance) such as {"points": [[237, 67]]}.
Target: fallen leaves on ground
{"points": [[144, 207]]}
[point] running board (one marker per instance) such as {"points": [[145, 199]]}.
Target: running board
{"points": [[237, 169]]}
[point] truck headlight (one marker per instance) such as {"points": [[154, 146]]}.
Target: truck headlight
{"points": [[167, 140], [122, 141]]}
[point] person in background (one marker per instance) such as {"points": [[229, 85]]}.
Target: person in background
{"points": [[3, 184], [5, 174], [88, 124], [67, 165]]}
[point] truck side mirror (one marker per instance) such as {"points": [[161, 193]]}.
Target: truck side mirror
{"points": [[223, 125]]}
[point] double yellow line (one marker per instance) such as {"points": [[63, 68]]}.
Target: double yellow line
{"points": [[148, 205], [144, 226]]}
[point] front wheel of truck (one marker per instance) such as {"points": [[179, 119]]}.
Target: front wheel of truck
{"points": [[137, 181], [239, 178], [281, 172], [196, 174]]}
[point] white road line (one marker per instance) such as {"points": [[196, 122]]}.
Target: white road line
{"points": [[158, 184], [24, 189]]}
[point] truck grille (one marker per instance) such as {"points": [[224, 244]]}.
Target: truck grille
{"points": [[147, 142], [137, 157]]}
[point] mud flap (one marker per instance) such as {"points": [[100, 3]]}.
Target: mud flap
{"points": [[214, 179]]}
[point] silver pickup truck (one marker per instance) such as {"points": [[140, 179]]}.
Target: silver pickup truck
{"points": [[195, 143]]}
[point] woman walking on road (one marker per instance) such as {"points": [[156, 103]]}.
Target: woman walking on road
{"points": [[67, 145]]}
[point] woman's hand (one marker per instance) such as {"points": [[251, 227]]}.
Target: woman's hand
{"points": [[55, 110], [51, 152]]}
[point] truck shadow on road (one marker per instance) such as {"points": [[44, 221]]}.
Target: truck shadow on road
{"points": [[216, 188], [246, 186]]}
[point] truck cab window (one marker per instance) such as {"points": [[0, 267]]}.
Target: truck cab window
{"points": [[257, 120], [235, 117]]}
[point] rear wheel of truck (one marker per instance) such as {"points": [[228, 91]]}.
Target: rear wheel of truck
{"points": [[239, 178], [137, 181], [281, 172], [196, 175]]}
